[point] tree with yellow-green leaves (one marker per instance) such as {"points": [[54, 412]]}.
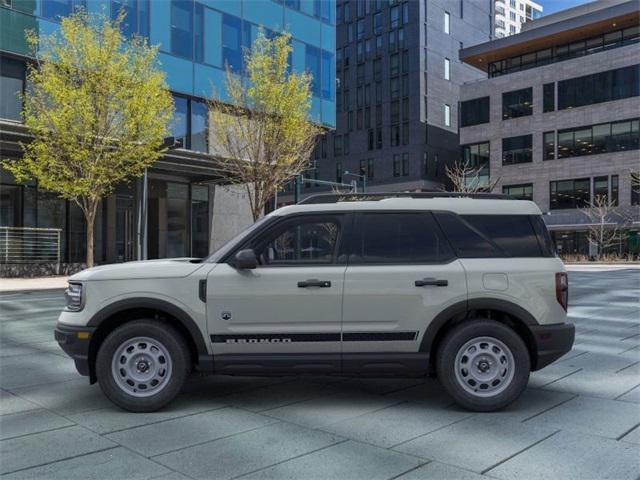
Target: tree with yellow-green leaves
{"points": [[262, 132], [98, 108]]}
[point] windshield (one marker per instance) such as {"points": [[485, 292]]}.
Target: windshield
{"points": [[224, 249]]}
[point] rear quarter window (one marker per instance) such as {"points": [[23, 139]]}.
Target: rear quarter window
{"points": [[514, 234]]}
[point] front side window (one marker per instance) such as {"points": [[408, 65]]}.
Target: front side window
{"points": [[447, 23], [447, 115], [302, 241], [392, 238], [447, 69], [518, 103]]}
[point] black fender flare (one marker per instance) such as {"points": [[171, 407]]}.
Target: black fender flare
{"points": [[461, 309], [156, 304]]}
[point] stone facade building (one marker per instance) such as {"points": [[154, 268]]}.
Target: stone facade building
{"points": [[557, 118]]}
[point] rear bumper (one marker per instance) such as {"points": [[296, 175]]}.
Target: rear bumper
{"points": [[75, 346], [552, 342]]}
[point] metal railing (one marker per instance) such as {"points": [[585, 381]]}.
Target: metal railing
{"points": [[30, 245]]}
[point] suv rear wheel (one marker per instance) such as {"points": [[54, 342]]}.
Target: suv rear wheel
{"points": [[142, 365], [483, 364]]}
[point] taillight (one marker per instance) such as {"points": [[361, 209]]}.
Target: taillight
{"points": [[562, 289]]}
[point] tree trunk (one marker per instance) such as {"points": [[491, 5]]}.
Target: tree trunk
{"points": [[90, 217], [90, 224]]}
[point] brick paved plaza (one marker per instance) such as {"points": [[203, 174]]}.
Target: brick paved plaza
{"points": [[579, 418]]}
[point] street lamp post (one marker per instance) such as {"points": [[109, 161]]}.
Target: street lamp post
{"points": [[363, 179]]}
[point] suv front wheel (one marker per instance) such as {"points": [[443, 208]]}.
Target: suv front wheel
{"points": [[142, 365], [483, 364]]}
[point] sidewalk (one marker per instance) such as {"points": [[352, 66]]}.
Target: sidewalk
{"points": [[26, 284]]}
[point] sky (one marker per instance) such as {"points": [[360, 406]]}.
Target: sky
{"points": [[552, 6]]}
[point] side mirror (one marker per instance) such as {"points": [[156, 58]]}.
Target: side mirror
{"points": [[245, 260]]}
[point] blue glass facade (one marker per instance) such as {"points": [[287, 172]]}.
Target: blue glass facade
{"points": [[198, 38]]}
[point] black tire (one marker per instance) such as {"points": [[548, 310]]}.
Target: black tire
{"points": [[176, 348], [481, 401]]}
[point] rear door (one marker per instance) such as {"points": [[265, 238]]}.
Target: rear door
{"points": [[401, 274]]}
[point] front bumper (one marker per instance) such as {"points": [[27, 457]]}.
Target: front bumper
{"points": [[75, 343], [552, 342]]}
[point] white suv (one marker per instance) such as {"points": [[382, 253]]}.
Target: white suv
{"points": [[466, 287]]}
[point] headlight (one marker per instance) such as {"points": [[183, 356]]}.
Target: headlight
{"points": [[73, 297]]}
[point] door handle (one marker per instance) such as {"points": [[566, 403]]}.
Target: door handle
{"points": [[314, 283], [428, 282]]}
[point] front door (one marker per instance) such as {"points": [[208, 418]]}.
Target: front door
{"points": [[401, 274], [124, 228], [286, 313]]}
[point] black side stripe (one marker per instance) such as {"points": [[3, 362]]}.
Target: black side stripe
{"points": [[378, 336], [315, 337]]}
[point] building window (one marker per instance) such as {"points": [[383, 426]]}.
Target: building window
{"points": [[549, 97], [231, 42], [377, 23], [370, 142], [601, 187], [345, 144], [405, 133], [447, 23], [54, 10], [396, 165], [337, 145], [370, 169], [476, 156], [394, 86], [395, 135], [394, 17], [180, 122], [378, 138], [635, 188], [328, 75], [136, 20], [12, 79], [549, 145], [599, 87], [447, 115], [312, 64], [602, 138], [198, 128], [574, 193], [339, 172], [447, 69], [394, 65], [182, 28], [405, 13], [517, 103], [558, 53], [405, 164], [520, 192], [474, 112], [516, 150], [394, 112]]}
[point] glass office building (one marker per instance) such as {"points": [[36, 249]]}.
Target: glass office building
{"points": [[197, 40]]}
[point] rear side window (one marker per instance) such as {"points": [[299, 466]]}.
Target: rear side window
{"points": [[467, 241], [514, 234], [399, 238], [544, 239]]}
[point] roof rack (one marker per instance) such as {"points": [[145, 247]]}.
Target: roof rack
{"points": [[361, 197]]}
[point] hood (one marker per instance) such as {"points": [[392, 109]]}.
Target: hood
{"points": [[165, 268]]}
